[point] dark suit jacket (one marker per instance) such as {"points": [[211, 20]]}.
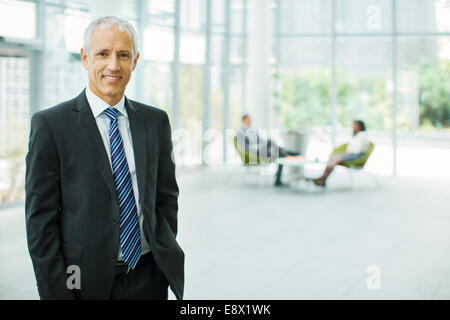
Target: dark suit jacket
{"points": [[72, 213]]}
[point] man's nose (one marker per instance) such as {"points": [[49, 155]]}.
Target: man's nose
{"points": [[113, 63]]}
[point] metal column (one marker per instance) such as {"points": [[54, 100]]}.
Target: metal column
{"points": [[394, 87], [244, 55], [333, 77], [141, 23], [37, 62], [176, 68], [226, 77], [207, 76]]}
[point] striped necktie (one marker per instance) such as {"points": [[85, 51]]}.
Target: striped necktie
{"points": [[130, 240]]}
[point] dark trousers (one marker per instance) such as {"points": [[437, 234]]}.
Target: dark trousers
{"points": [[281, 154], [145, 282], [273, 151]]}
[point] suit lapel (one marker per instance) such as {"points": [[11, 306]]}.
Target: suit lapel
{"points": [[138, 134], [92, 138], [94, 141]]}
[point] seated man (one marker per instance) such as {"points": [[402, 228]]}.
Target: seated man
{"points": [[249, 139], [356, 148]]}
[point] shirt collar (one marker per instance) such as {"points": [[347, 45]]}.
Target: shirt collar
{"points": [[98, 105]]}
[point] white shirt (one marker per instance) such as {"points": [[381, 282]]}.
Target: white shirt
{"points": [[359, 143], [98, 106]]}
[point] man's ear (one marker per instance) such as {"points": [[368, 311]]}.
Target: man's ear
{"points": [[84, 59], [135, 62]]}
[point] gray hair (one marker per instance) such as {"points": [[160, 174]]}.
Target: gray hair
{"points": [[110, 22]]}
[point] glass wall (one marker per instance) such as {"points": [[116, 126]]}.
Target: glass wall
{"points": [[238, 64], [15, 94], [40, 66], [14, 125], [303, 70], [190, 81], [364, 91], [385, 62]]}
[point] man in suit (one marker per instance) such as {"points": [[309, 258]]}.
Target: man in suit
{"points": [[249, 139], [101, 193]]}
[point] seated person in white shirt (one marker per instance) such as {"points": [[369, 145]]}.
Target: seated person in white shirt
{"points": [[356, 148], [249, 139]]}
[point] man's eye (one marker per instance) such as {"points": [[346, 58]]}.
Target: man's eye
{"points": [[125, 55], [102, 54]]}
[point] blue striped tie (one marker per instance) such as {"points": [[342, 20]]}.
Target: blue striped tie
{"points": [[130, 240]]}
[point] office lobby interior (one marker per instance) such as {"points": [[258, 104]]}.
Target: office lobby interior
{"points": [[303, 70]]}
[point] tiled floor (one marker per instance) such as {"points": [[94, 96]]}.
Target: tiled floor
{"points": [[244, 240]]}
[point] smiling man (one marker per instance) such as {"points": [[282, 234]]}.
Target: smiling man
{"points": [[101, 194]]}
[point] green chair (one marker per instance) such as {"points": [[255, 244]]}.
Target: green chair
{"points": [[249, 159], [252, 161], [357, 164]]}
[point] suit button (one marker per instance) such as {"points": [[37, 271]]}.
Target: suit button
{"points": [[116, 221], [111, 257]]}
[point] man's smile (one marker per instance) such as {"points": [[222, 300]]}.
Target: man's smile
{"points": [[112, 78]]}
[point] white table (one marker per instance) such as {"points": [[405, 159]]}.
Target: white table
{"points": [[299, 162]]}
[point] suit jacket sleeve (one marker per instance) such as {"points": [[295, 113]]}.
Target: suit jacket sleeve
{"points": [[167, 188], [43, 210]]}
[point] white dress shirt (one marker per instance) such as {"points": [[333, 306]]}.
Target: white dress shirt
{"points": [[359, 143], [98, 106]]}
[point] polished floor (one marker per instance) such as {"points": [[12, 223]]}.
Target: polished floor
{"points": [[245, 239]]}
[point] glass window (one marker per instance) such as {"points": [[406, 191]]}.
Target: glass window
{"points": [[364, 81], [305, 16], [236, 96], [191, 111], [218, 16], [161, 12], [74, 24], [424, 84], [17, 19], [216, 100], [216, 84], [14, 122], [158, 44], [192, 48], [192, 56], [304, 79], [237, 16], [301, 90], [423, 15], [158, 85], [363, 16], [236, 50], [192, 59], [64, 74], [129, 11], [192, 14], [423, 106], [364, 92]]}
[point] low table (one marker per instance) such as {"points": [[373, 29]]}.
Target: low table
{"points": [[299, 162]]}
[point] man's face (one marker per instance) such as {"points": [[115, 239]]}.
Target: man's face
{"points": [[247, 121], [109, 63]]}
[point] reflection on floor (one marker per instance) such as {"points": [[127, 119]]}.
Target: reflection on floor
{"points": [[245, 239]]}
